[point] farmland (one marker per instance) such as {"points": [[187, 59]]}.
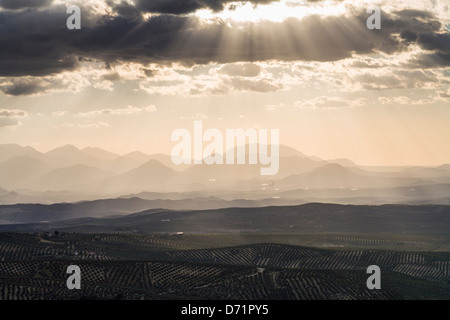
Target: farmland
{"points": [[223, 266]]}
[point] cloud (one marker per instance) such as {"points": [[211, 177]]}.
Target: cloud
{"points": [[7, 113], [149, 72], [366, 63], [391, 78], [20, 4], [111, 77], [360, 73], [429, 60], [129, 110], [370, 81], [263, 85], [414, 14], [37, 42], [95, 125], [9, 117], [445, 95], [120, 111], [8, 122], [241, 70], [59, 113], [20, 87], [438, 42], [184, 6], [86, 125], [403, 100], [212, 79], [330, 103]]}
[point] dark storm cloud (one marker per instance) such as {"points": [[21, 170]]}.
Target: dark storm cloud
{"points": [[28, 86], [435, 42], [36, 66], [22, 88], [432, 60], [188, 6], [183, 39], [111, 77], [37, 42], [241, 70], [20, 4], [415, 14], [149, 72], [422, 28], [175, 7], [439, 45]]}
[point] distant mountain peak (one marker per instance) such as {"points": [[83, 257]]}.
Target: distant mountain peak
{"points": [[284, 150], [67, 147], [100, 153], [11, 149], [343, 162], [15, 145], [91, 148], [154, 163], [333, 169], [333, 165], [139, 153]]}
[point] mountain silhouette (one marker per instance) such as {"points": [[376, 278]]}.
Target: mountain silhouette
{"points": [[21, 170], [77, 177]]}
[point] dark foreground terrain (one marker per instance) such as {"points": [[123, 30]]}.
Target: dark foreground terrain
{"points": [[223, 266]]}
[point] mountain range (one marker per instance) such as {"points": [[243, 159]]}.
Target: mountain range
{"points": [[91, 173]]}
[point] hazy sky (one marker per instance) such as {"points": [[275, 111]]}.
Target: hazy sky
{"points": [[139, 69]]}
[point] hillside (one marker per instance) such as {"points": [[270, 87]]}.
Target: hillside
{"points": [[307, 218], [136, 267]]}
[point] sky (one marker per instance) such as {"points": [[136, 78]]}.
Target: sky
{"points": [[138, 70]]}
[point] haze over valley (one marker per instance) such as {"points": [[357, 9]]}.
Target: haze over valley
{"points": [[71, 174]]}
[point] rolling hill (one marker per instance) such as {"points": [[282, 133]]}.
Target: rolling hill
{"points": [[302, 219]]}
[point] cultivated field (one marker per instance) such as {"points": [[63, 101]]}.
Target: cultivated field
{"points": [[231, 266]]}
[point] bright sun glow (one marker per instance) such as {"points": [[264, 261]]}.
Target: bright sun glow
{"points": [[276, 12]]}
